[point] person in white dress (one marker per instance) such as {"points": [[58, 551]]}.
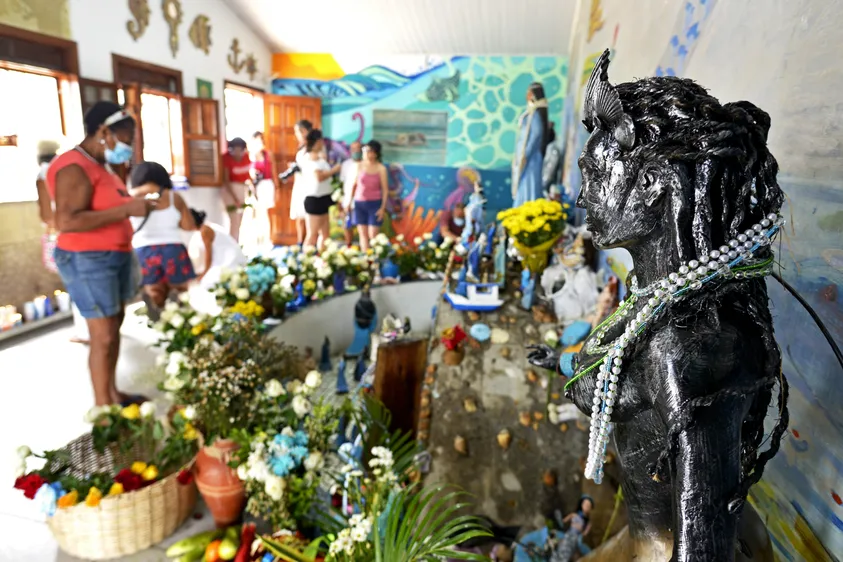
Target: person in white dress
{"points": [[297, 212]]}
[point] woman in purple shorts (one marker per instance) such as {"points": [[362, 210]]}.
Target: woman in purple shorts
{"points": [[370, 193], [165, 264]]}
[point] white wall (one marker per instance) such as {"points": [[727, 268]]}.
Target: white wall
{"points": [[99, 29], [335, 317]]}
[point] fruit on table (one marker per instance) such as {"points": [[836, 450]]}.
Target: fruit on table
{"points": [[190, 544], [192, 556], [230, 544], [212, 553]]}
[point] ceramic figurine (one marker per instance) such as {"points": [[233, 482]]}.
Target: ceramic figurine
{"points": [[342, 383], [365, 324], [500, 261], [528, 288], [325, 358], [683, 374], [474, 214], [531, 144]]}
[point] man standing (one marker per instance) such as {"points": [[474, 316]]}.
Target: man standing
{"points": [[348, 176]]}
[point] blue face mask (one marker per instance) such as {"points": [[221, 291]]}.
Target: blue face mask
{"points": [[458, 221], [120, 154], [357, 156]]}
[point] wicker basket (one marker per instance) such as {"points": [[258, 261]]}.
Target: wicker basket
{"points": [[124, 524]]}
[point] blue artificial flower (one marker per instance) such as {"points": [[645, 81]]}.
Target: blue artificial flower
{"points": [[282, 464], [47, 496], [300, 438]]}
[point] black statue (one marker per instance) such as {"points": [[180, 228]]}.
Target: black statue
{"points": [[682, 375]]}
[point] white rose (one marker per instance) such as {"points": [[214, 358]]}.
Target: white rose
{"points": [[161, 360], [147, 410], [288, 432], [196, 319], [225, 275], [94, 413], [242, 472], [170, 335], [171, 306], [313, 379], [274, 388], [287, 281], [242, 294], [294, 386], [173, 368], [427, 236], [400, 237], [189, 413], [173, 384], [23, 452], [314, 461], [301, 406], [166, 316], [274, 487], [159, 326], [417, 240]]}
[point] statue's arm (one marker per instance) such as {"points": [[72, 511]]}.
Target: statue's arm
{"points": [[706, 461]]}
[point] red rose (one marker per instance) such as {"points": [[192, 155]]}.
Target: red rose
{"points": [[129, 479], [29, 484], [185, 477]]}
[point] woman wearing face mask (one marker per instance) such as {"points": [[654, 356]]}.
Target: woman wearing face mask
{"points": [[94, 246], [370, 193], [348, 176]]}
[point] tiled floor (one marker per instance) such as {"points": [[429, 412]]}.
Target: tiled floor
{"points": [[47, 392]]}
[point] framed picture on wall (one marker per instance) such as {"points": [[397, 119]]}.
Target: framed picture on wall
{"points": [[204, 89], [412, 137]]}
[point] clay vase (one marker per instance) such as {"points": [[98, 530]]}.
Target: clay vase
{"points": [[453, 356], [222, 490]]}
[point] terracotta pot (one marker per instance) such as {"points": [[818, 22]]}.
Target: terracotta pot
{"points": [[218, 483], [453, 356]]}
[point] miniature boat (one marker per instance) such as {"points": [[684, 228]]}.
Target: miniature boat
{"points": [[479, 297]]}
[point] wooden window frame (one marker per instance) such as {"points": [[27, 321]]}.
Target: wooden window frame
{"points": [[59, 77], [216, 179], [70, 52], [118, 60], [84, 82]]}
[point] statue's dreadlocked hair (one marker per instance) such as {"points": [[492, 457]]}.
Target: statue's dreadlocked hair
{"points": [[732, 186]]}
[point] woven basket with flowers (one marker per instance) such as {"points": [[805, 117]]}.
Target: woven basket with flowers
{"points": [[119, 489]]}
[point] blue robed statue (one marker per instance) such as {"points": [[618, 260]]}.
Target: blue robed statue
{"points": [[530, 147]]}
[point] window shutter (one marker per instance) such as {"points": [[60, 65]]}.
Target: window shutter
{"points": [[92, 91], [200, 119]]}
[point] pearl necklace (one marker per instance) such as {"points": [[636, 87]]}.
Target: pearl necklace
{"points": [[731, 261]]}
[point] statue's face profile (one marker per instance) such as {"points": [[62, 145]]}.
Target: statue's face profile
{"points": [[620, 199]]}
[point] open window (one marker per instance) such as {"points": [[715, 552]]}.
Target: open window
{"points": [[39, 100], [180, 133], [243, 111]]}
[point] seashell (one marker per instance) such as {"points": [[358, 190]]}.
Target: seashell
{"points": [[524, 419], [531, 375], [429, 380], [422, 436], [425, 413], [504, 439], [473, 316], [460, 445], [499, 336], [431, 369], [470, 405], [538, 416], [549, 478], [535, 426], [564, 427], [506, 353], [424, 402], [530, 330], [425, 393]]}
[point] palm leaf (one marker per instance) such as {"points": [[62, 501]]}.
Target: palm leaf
{"points": [[424, 525], [288, 554]]}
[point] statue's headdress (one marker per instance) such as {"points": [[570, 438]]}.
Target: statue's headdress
{"points": [[603, 107]]}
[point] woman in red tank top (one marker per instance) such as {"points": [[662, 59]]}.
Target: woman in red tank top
{"points": [[94, 246]]}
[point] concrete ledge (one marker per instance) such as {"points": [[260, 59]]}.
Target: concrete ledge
{"points": [[30, 327], [335, 317]]}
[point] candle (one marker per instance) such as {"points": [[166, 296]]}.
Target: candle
{"points": [[30, 313], [40, 306], [63, 301]]}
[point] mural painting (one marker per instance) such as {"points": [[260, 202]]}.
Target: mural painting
{"points": [[51, 17], [444, 122]]}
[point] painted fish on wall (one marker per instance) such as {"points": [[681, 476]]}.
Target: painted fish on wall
{"points": [[443, 89]]}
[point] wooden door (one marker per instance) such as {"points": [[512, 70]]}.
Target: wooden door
{"points": [[281, 113]]}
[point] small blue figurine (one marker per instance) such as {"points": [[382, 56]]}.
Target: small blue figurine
{"points": [[500, 262], [360, 367], [474, 213], [462, 284], [528, 288], [325, 360], [342, 384]]}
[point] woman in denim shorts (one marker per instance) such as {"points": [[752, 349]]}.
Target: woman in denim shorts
{"points": [[94, 245]]}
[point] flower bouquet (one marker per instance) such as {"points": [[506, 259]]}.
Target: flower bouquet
{"points": [[433, 257], [382, 516], [282, 470], [105, 491], [535, 226], [181, 326], [250, 283]]}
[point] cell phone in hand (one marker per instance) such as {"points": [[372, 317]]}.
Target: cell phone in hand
{"points": [[152, 196]]}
